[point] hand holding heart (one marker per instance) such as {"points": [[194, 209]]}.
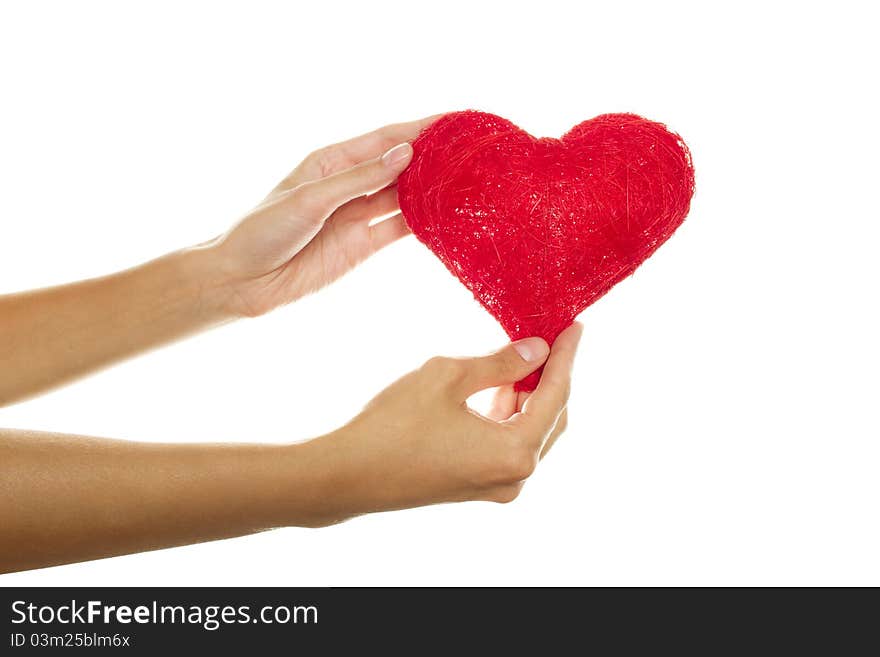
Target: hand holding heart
{"points": [[315, 225], [537, 229], [418, 443]]}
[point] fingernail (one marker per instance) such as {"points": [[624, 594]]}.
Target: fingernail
{"points": [[397, 154], [532, 349]]}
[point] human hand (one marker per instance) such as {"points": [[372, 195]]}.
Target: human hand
{"points": [[315, 225], [418, 443]]}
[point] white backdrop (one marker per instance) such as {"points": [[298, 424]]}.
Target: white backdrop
{"points": [[724, 414]]}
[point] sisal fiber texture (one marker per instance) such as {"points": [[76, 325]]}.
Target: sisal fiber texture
{"points": [[540, 228]]}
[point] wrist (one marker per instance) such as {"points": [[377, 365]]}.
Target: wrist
{"points": [[205, 273], [351, 476], [311, 484]]}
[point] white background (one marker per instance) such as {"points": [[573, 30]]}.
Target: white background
{"points": [[724, 415]]}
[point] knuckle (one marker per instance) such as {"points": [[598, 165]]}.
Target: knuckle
{"points": [[563, 387], [433, 365], [562, 423], [443, 369], [566, 390], [505, 494], [323, 159], [517, 464], [317, 155], [559, 391]]}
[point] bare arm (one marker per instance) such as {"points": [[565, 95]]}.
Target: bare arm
{"points": [[69, 498], [312, 228], [53, 336]]}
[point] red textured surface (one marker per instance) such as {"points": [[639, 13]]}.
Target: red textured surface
{"points": [[538, 229]]}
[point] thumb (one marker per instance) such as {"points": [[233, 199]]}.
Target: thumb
{"points": [[324, 195], [505, 366]]}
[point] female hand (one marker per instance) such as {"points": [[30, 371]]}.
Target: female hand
{"points": [[315, 225], [418, 443], [312, 228]]}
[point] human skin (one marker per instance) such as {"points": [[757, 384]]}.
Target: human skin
{"points": [[70, 498]]}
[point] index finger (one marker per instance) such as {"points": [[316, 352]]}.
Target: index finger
{"points": [[550, 397], [346, 154], [373, 144]]}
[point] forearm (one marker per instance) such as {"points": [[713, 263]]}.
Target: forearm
{"points": [[52, 336], [70, 498]]}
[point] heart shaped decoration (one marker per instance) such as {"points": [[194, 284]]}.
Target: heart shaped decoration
{"points": [[539, 229]]}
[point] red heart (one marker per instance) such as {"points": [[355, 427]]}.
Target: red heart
{"points": [[538, 229]]}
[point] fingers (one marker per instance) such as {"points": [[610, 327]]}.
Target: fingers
{"points": [[322, 197], [544, 416], [548, 400], [561, 425], [503, 367], [346, 154], [372, 144], [507, 482], [506, 402], [387, 231], [366, 208], [531, 433], [503, 404]]}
